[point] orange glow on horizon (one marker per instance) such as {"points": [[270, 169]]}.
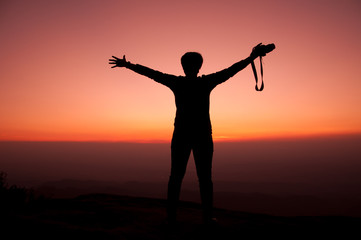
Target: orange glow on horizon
{"points": [[165, 137], [56, 83]]}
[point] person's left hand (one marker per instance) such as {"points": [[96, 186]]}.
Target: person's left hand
{"points": [[118, 62]]}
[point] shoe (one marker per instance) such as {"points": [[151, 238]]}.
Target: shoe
{"points": [[170, 223], [211, 221]]}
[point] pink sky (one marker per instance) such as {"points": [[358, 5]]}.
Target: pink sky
{"points": [[56, 83]]}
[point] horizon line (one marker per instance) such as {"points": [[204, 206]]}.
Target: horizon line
{"points": [[215, 138]]}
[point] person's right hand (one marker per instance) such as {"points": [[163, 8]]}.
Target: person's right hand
{"points": [[261, 50], [256, 51], [118, 62]]}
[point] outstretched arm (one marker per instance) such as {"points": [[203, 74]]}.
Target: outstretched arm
{"points": [[145, 71], [227, 73]]}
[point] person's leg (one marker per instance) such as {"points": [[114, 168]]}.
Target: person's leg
{"points": [[179, 158], [203, 154]]}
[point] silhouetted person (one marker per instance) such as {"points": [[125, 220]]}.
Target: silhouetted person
{"points": [[192, 125]]}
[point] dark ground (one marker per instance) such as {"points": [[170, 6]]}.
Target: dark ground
{"points": [[104, 216]]}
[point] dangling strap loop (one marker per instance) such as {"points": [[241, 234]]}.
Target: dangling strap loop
{"points": [[255, 74]]}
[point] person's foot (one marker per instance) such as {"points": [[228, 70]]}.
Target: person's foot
{"points": [[169, 226], [211, 221], [171, 223]]}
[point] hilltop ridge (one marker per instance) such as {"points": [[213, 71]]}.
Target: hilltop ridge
{"points": [[106, 216]]}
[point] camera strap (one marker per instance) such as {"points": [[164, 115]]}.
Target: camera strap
{"points": [[256, 76]]}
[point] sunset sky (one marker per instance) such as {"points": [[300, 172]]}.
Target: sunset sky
{"points": [[56, 83]]}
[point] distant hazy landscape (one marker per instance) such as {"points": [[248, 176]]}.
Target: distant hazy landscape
{"points": [[310, 176]]}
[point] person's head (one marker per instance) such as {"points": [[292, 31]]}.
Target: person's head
{"points": [[191, 63]]}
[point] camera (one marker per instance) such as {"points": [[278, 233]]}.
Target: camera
{"points": [[262, 50]]}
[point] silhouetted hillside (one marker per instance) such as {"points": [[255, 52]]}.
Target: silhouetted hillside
{"points": [[103, 216], [281, 199]]}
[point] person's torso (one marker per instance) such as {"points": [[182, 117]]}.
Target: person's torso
{"points": [[192, 102]]}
